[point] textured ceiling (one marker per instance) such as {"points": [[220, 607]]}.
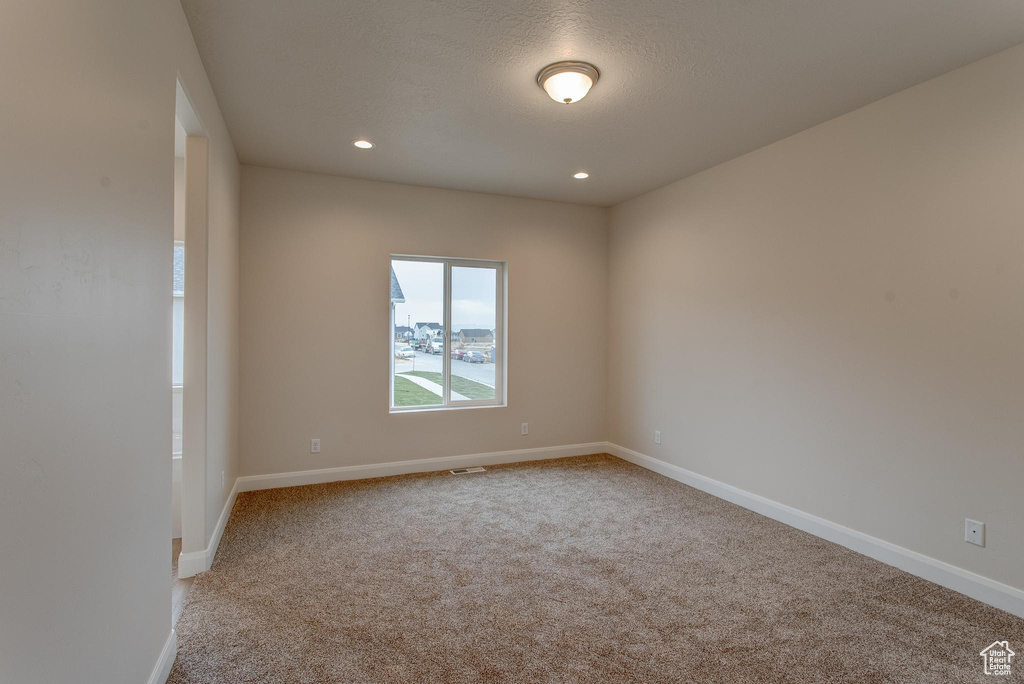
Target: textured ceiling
{"points": [[446, 88]]}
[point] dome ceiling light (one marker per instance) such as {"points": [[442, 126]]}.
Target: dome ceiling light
{"points": [[568, 82]]}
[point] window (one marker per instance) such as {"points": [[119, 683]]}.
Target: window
{"points": [[447, 333], [177, 346]]}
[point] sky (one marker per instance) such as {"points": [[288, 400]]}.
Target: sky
{"points": [[473, 294]]}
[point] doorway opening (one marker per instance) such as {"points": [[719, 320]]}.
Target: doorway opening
{"points": [[179, 587], [188, 349]]}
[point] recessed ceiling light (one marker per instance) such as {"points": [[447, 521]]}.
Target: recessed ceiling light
{"points": [[568, 82], [580, 175], [362, 144]]}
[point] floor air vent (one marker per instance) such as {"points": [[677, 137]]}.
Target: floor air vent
{"points": [[463, 471]]}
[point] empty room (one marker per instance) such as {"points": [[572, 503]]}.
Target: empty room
{"points": [[474, 341]]}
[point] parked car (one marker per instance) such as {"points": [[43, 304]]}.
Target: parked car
{"points": [[458, 354], [405, 353], [474, 357]]}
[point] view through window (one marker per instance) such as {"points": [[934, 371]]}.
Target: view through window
{"points": [[446, 319]]}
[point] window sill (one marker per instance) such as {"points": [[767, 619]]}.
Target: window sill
{"points": [[435, 409]]}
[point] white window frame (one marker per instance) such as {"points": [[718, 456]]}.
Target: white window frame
{"points": [[501, 339]]}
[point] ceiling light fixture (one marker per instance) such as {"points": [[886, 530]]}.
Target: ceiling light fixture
{"points": [[580, 175], [568, 82], [362, 144]]}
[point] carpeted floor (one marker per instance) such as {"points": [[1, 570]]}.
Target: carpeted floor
{"points": [[582, 569]]}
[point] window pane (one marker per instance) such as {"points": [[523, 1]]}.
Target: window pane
{"points": [[417, 305], [474, 331], [178, 287]]}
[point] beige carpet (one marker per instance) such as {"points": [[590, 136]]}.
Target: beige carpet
{"points": [[583, 569]]}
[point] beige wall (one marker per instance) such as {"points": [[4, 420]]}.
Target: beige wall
{"points": [[315, 313], [836, 321], [86, 228]]}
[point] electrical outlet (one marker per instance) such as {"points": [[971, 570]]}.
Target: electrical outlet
{"points": [[974, 532], [314, 446], [524, 429], [657, 436]]}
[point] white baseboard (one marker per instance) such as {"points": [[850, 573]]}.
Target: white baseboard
{"points": [[162, 669], [971, 584], [423, 465], [194, 562]]}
